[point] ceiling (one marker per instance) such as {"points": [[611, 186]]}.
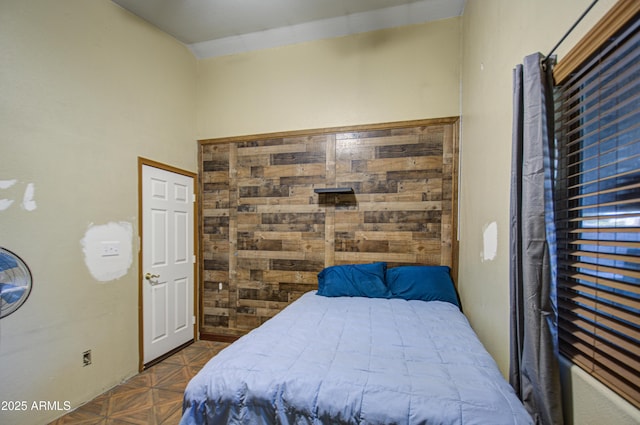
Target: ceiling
{"points": [[220, 27]]}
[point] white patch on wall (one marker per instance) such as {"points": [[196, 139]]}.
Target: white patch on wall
{"points": [[489, 241], [5, 203], [6, 184], [108, 251], [28, 202], [27, 199]]}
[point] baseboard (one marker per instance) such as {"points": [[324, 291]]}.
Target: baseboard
{"points": [[218, 337]]}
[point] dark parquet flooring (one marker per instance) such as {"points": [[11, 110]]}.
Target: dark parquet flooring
{"points": [[152, 397]]}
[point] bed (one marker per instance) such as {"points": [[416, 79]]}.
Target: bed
{"points": [[373, 348]]}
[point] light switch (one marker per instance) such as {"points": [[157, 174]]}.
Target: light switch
{"points": [[110, 248]]}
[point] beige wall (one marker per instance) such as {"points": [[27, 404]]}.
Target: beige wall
{"points": [[383, 76], [497, 34], [85, 88]]}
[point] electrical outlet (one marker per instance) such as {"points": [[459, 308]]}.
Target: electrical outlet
{"points": [[86, 358]]}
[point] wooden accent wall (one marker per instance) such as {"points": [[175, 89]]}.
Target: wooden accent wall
{"points": [[266, 234]]}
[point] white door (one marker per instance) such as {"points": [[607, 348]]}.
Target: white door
{"points": [[167, 261]]}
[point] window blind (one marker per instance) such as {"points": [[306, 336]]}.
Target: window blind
{"points": [[597, 207]]}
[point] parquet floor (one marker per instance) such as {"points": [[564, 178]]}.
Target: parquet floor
{"points": [[152, 397]]}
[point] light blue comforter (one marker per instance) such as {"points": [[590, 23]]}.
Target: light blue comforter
{"points": [[355, 361]]}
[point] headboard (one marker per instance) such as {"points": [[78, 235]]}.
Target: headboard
{"points": [[275, 209]]}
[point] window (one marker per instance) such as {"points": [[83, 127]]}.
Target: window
{"points": [[597, 205]]}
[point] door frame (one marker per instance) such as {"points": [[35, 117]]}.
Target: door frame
{"points": [[151, 163]]}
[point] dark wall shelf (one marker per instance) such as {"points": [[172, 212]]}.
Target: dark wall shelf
{"points": [[334, 190]]}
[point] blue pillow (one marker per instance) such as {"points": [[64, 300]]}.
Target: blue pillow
{"points": [[353, 280], [426, 283]]}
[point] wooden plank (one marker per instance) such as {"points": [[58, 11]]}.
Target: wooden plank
{"points": [[409, 150], [397, 208], [405, 164], [369, 257], [282, 255], [329, 219], [316, 169], [292, 277], [295, 158], [233, 234]]}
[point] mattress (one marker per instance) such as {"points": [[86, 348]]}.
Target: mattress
{"points": [[355, 360]]}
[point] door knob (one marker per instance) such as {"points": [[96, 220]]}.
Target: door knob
{"points": [[150, 276]]}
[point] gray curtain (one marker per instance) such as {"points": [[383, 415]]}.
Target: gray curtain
{"points": [[534, 369]]}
